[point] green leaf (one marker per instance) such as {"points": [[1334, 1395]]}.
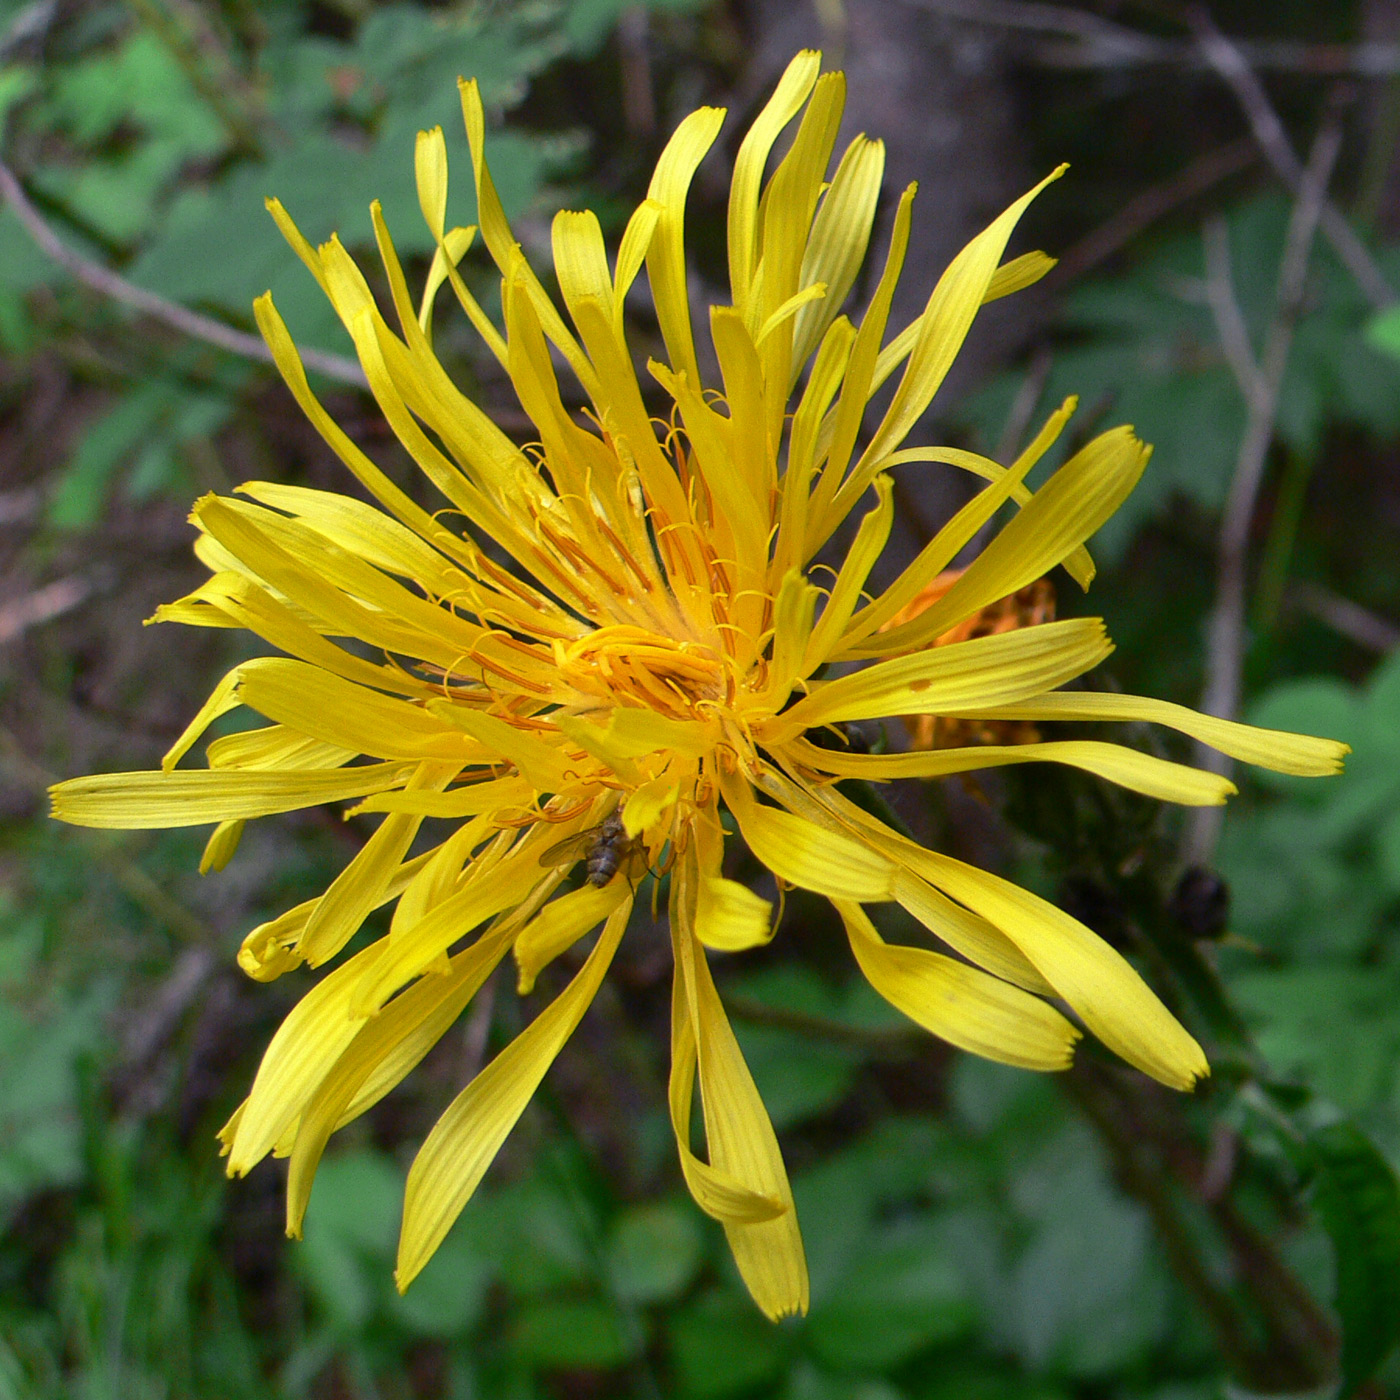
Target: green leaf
{"points": [[1357, 1199], [357, 1199], [904, 1294], [654, 1251], [721, 1344], [1383, 332], [447, 1297], [584, 1336]]}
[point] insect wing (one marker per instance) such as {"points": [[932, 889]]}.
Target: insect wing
{"points": [[570, 849]]}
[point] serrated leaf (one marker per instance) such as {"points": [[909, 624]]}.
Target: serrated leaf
{"points": [[1357, 1199]]}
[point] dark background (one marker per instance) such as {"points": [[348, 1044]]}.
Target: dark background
{"points": [[975, 1233]]}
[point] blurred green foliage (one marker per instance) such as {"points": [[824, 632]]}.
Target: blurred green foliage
{"points": [[971, 1235]]}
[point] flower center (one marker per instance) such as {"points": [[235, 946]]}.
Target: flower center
{"points": [[628, 665]]}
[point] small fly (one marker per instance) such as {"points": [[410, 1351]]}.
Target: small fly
{"points": [[605, 849]]}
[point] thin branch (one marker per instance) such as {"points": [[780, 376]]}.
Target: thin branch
{"points": [[1230, 327], [1229, 61], [42, 605], [1351, 620], [1145, 208], [1261, 383], [1070, 38], [180, 318]]}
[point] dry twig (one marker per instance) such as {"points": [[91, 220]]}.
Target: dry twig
{"points": [[1229, 61], [1071, 38], [42, 605], [1260, 382], [180, 318]]}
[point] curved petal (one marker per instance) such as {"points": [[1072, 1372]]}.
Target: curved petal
{"points": [[958, 1003], [464, 1141]]}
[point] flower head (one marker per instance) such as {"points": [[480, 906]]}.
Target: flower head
{"points": [[611, 635]]}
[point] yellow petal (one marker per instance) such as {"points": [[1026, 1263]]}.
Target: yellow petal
{"points": [[718, 1194], [1008, 664], [337, 711], [792, 91], [958, 1003], [430, 167], [360, 885], [1299, 754], [738, 1134], [560, 924], [1116, 1004], [1155, 777], [500, 877], [221, 846], [849, 414], [1073, 504], [383, 1051], [804, 854], [632, 251], [306, 1046], [449, 253], [541, 764], [1078, 564], [946, 320], [1018, 274], [729, 916], [666, 254], [647, 804], [466, 801], [143, 801], [465, 1140], [840, 236], [944, 547], [866, 548]]}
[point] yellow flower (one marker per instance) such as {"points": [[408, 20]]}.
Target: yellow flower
{"points": [[625, 640]]}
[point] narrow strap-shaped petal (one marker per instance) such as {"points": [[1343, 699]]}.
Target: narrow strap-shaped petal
{"points": [[1299, 754], [1078, 564], [560, 924], [729, 916], [222, 846], [497, 879], [326, 707], [806, 855], [1013, 275], [666, 255], [931, 682], [718, 1194], [274, 746], [1154, 777], [792, 91], [145, 801], [359, 887], [384, 1050], [954, 536], [306, 1046], [1096, 980], [837, 245], [464, 1141], [500, 242], [738, 1134], [958, 1003], [1065, 512], [849, 414], [865, 550], [946, 320], [961, 929]]}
